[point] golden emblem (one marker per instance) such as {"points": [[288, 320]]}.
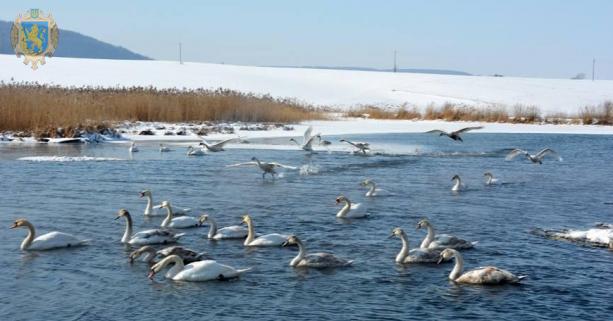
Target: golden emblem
{"points": [[35, 37]]}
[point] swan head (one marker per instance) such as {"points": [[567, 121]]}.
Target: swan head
{"points": [[446, 255], [423, 223], [291, 240], [203, 219], [145, 193], [245, 219], [165, 204], [342, 140], [341, 198], [488, 174], [122, 213], [366, 182], [136, 254], [293, 140], [20, 223], [396, 232], [455, 177], [254, 158]]}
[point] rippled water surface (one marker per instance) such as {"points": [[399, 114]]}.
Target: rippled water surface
{"points": [[565, 281]]}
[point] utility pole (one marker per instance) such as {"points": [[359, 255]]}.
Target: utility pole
{"points": [[180, 57], [395, 62], [593, 68]]}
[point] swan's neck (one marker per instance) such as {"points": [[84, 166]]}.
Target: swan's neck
{"points": [[128, 233], [404, 252], [343, 212], [213, 228], [301, 254], [429, 237], [149, 208], [250, 233], [169, 216], [489, 180], [459, 266], [149, 255], [371, 191], [29, 238], [458, 183], [296, 142], [178, 267]]}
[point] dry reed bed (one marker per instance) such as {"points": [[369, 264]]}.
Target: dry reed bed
{"points": [[32, 107], [589, 115]]}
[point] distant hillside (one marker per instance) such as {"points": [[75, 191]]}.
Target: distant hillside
{"points": [[409, 70], [76, 45]]}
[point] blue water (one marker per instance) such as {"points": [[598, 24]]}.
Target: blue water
{"points": [[565, 281]]}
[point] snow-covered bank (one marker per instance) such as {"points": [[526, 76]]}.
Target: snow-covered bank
{"points": [[339, 88]]}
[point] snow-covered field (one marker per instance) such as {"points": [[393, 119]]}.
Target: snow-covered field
{"points": [[338, 88]]}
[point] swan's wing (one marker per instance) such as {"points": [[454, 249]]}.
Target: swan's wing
{"points": [[325, 260], [243, 164], [463, 130], [307, 134], [223, 142], [546, 152], [355, 206], [437, 131], [282, 166], [514, 153], [309, 143]]}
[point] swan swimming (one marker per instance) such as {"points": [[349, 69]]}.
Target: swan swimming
{"points": [[217, 147], [456, 134], [178, 222], [228, 232], [373, 190], [489, 179], [133, 148], [164, 149], [191, 151], [345, 212], [48, 241], [273, 239], [153, 236], [537, 158], [441, 241], [266, 167], [150, 208], [418, 255], [199, 271], [489, 275], [307, 140], [319, 260], [458, 185], [362, 147], [148, 254]]}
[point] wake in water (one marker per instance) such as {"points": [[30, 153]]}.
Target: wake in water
{"points": [[309, 169], [67, 159]]}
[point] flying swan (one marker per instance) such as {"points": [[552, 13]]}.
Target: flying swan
{"points": [[362, 147], [266, 167], [537, 158], [217, 147], [454, 135]]}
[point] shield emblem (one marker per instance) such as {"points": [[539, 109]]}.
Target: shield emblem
{"points": [[35, 37]]}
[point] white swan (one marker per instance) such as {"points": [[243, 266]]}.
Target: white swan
{"points": [[345, 212], [164, 149], [489, 275], [153, 236], [191, 151], [362, 147], [307, 140], [228, 232], [537, 158], [148, 254], [178, 222], [206, 270], [454, 135], [441, 241], [373, 190], [489, 179], [319, 260], [48, 241], [266, 167], [458, 185], [133, 148], [150, 209], [417, 255], [217, 147], [273, 239]]}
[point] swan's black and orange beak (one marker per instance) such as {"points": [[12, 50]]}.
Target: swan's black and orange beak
{"points": [[14, 226], [117, 217], [440, 259], [391, 236], [151, 274], [286, 243], [141, 194]]}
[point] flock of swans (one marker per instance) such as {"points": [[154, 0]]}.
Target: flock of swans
{"points": [[185, 264]]}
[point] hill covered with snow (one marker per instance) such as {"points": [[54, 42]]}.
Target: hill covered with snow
{"points": [[337, 88]]}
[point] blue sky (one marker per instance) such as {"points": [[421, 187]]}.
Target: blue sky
{"points": [[545, 38]]}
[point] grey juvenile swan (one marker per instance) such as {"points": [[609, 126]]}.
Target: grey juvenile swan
{"points": [[319, 260], [489, 275]]}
